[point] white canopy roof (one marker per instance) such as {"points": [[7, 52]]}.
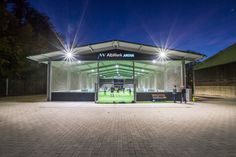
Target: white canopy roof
{"points": [[121, 45]]}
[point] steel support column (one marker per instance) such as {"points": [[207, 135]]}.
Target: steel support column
{"points": [[134, 84], [183, 73], [97, 84], [49, 81]]}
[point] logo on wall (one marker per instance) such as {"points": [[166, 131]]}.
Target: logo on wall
{"points": [[116, 55]]}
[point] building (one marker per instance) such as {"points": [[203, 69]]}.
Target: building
{"points": [[114, 71], [216, 76]]}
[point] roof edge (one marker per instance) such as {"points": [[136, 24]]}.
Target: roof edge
{"points": [[154, 46], [198, 66], [124, 41]]}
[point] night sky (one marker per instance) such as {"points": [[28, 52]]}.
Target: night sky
{"points": [[205, 26]]}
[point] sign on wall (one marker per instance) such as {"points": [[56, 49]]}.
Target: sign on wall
{"points": [[107, 55], [117, 54]]}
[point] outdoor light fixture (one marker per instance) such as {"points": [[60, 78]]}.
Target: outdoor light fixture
{"points": [[69, 56], [142, 70], [92, 70], [117, 66], [154, 61], [162, 55]]}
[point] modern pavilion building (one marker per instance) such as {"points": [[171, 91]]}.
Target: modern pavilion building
{"points": [[114, 71]]}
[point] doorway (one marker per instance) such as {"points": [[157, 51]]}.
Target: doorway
{"points": [[116, 82]]}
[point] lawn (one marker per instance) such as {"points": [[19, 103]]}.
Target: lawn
{"points": [[121, 97]]}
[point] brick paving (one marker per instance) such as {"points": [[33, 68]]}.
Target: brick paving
{"points": [[71, 129]]}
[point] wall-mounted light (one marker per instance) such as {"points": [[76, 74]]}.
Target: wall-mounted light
{"points": [[162, 55], [69, 55]]}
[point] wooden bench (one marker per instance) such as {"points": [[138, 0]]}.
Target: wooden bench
{"points": [[158, 97]]}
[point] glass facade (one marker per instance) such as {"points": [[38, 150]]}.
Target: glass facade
{"points": [[158, 76], [74, 77], [115, 80]]}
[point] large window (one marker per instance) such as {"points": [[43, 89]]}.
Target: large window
{"points": [[158, 76], [77, 76], [81, 76]]}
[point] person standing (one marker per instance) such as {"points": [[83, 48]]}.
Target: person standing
{"points": [[130, 91], [112, 91], [174, 93], [183, 95], [105, 90]]}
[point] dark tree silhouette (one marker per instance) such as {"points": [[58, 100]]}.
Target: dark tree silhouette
{"points": [[23, 31]]}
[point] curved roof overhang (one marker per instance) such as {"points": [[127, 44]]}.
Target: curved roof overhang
{"points": [[117, 45]]}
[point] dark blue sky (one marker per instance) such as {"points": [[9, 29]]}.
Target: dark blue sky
{"points": [[205, 26]]}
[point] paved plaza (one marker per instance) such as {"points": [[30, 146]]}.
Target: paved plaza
{"points": [[71, 129]]}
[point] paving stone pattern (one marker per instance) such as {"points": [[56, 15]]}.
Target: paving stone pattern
{"points": [[71, 129]]}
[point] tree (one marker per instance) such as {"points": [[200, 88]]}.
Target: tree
{"points": [[23, 31]]}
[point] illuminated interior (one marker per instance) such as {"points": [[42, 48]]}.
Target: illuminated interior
{"points": [[148, 76], [105, 71]]}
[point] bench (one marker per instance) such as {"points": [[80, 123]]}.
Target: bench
{"points": [[158, 96]]}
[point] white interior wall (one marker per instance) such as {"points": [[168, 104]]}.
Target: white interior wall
{"points": [[164, 80], [63, 79]]}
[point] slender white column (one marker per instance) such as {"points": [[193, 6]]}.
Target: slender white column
{"points": [[145, 84], [165, 78], [142, 84], [155, 81], [183, 74], [85, 80], [68, 80], [49, 81], [80, 81]]}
